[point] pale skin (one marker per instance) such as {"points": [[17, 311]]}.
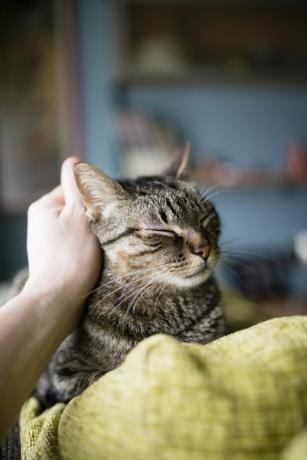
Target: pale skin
{"points": [[64, 263]]}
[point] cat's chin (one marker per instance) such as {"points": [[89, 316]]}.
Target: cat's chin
{"points": [[182, 282]]}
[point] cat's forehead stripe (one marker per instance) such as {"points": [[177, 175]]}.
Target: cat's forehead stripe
{"points": [[175, 194], [163, 216], [170, 206]]}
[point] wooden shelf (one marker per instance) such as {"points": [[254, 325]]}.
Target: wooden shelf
{"points": [[204, 79], [267, 183], [206, 43], [225, 3]]}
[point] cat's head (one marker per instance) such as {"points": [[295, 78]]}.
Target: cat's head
{"points": [[155, 229]]}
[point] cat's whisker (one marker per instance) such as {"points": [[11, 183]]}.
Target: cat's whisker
{"points": [[141, 271], [131, 289], [232, 258], [154, 285], [136, 271], [146, 284], [129, 284], [232, 271], [117, 305], [241, 253], [251, 269], [138, 295], [228, 241], [233, 261], [159, 295], [151, 270], [204, 193], [103, 285], [216, 193]]}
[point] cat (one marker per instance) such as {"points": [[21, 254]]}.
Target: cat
{"points": [[159, 238]]}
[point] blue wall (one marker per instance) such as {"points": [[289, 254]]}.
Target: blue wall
{"points": [[250, 126], [97, 27]]}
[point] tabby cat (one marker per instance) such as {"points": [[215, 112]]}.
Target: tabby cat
{"points": [[159, 238]]}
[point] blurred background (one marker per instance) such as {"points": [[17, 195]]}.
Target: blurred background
{"points": [[123, 84]]}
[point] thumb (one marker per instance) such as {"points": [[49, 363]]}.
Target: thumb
{"points": [[70, 189]]}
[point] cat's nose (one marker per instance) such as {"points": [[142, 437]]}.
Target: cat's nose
{"points": [[202, 251]]}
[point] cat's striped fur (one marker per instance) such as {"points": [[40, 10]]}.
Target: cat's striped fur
{"points": [[160, 242]]}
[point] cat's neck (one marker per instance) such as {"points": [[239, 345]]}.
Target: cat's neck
{"points": [[126, 287], [144, 309], [141, 291]]}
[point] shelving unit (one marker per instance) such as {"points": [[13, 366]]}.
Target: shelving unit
{"points": [[202, 45], [202, 79], [207, 43], [266, 183]]}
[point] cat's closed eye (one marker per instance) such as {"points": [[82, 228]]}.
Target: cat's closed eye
{"points": [[160, 232]]}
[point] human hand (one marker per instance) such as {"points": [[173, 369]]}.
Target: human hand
{"points": [[63, 254]]}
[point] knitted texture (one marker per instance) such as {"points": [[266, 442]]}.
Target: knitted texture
{"points": [[297, 449], [10, 445], [38, 432], [243, 396]]}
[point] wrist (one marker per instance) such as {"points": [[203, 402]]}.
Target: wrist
{"points": [[52, 306]]}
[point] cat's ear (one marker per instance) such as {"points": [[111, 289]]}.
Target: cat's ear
{"points": [[99, 192], [178, 166]]}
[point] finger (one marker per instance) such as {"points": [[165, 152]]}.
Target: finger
{"points": [[52, 201], [70, 189], [54, 198]]}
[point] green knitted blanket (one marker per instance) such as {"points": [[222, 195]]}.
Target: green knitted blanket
{"points": [[243, 396]]}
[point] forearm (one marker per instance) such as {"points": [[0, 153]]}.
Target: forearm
{"points": [[32, 327]]}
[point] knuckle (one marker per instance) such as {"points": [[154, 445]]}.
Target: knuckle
{"points": [[31, 208]]}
